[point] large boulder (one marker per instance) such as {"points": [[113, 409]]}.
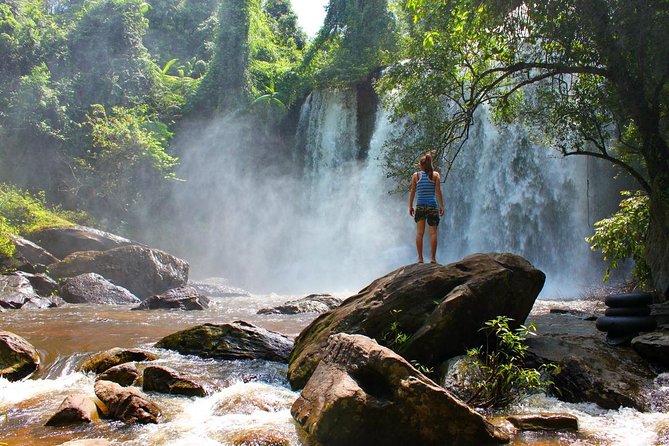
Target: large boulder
{"points": [[101, 361], [182, 298], [17, 292], [313, 303], [235, 340], [653, 346], [63, 241], [142, 271], [75, 409], [362, 393], [591, 370], [32, 253], [92, 288], [127, 404], [18, 358], [43, 285], [125, 374], [165, 380], [437, 309]]}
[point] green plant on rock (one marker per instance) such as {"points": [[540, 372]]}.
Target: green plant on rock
{"points": [[501, 377], [623, 236], [394, 337]]}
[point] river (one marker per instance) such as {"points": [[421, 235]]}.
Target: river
{"points": [[248, 402]]}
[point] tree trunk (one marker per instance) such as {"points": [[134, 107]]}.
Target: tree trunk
{"points": [[657, 243]]}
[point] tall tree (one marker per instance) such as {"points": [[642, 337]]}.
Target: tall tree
{"points": [[354, 41], [590, 76], [226, 85]]}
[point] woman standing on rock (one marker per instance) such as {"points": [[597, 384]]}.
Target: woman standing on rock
{"points": [[426, 187]]}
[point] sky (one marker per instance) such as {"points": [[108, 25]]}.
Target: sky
{"points": [[310, 14]]}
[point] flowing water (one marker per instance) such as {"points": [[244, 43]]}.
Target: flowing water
{"points": [[248, 401]]}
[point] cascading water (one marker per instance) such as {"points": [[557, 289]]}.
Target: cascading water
{"points": [[503, 194], [327, 223]]}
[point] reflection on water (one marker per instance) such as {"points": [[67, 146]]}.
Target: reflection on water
{"points": [[248, 402]]}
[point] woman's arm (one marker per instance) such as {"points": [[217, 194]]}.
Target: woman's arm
{"points": [[412, 195], [437, 190]]}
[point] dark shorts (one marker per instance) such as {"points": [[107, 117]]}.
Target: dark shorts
{"points": [[427, 213]]}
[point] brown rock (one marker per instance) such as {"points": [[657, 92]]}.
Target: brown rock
{"points": [[439, 308], [102, 361], [18, 358], [63, 241], [124, 374], [166, 380], [362, 393], [653, 346], [74, 409], [236, 340], [182, 298], [92, 288], [591, 370], [127, 404], [544, 422]]}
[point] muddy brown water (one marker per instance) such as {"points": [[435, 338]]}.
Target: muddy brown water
{"points": [[247, 400]]}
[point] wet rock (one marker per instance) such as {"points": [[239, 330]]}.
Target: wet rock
{"points": [[544, 422], [91, 288], [182, 298], [127, 404], [653, 346], [32, 253], [123, 374], [102, 361], [313, 303], [217, 287], [661, 313], [142, 271], [43, 285], [590, 369], [362, 393], [75, 409], [457, 377], [259, 438], [440, 308], [63, 241], [236, 340], [18, 358], [165, 380], [17, 292]]}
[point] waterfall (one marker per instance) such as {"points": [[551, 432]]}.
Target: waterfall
{"points": [[329, 224], [503, 194]]}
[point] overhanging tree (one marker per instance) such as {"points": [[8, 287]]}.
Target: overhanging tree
{"points": [[590, 76]]}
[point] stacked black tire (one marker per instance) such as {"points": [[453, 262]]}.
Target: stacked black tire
{"points": [[627, 315]]}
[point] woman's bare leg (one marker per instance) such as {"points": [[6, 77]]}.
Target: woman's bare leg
{"points": [[433, 243], [420, 231]]}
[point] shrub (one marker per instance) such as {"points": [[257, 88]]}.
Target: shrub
{"points": [[623, 236], [500, 376]]}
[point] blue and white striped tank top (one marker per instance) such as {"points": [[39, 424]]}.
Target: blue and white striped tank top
{"points": [[425, 195]]}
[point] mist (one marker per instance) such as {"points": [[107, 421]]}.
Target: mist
{"points": [[314, 217]]}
